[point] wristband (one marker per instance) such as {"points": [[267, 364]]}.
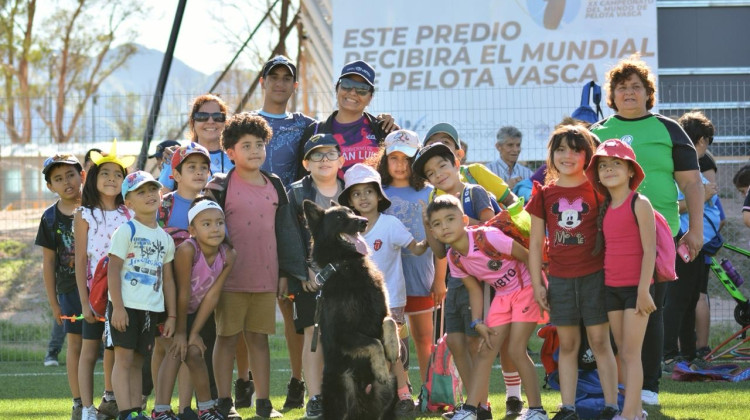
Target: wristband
{"points": [[476, 322]]}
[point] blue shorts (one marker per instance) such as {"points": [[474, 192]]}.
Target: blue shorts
{"points": [[458, 312], [70, 305]]}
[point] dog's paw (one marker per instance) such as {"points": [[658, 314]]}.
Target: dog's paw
{"points": [[390, 339]]}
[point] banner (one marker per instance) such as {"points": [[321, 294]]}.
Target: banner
{"points": [[484, 64]]}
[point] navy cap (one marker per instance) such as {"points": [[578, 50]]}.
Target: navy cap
{"points": [[320, 140], [360, 68], [163, 145], [279, 60], [424, 154]]}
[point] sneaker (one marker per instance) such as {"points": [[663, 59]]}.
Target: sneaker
{"points": [[699, 364], [164, 415], [649, 397], [513, 406], [667, 366], [188, 414], [702, 352], [243, 393], [51, 359], [264, 408], [405, 408], [566, 414], [225, 407], [484, 413], [314, 407], [76, 413], [210, 414], [463, 414], [295, 394], [608, 413], [535, 415], [89, 413], [448, 415], [108, 410]]}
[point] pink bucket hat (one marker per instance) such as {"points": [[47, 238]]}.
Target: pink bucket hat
{"points": [[362, 174], [614, 148]]}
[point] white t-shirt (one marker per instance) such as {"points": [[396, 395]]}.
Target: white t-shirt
{"points": [[144, 257], [102, 224], [385, 241]]}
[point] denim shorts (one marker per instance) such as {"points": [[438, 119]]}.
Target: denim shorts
{"points": [[458, 312], [70, 305], [573, 299]]}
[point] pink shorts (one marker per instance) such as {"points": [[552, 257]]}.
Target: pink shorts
{"points": [[517, 306]]}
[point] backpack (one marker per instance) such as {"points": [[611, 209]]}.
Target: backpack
{"points": [[442, 390], [664, 268], [164, 214], [584, 112], [99, 282]]}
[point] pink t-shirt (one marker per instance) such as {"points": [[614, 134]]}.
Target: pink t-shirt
{"points": [[250, 212], [203, 275], [623, 253], [505, 275]]}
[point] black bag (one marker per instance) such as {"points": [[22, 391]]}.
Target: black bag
{"points": [[585, 112]]}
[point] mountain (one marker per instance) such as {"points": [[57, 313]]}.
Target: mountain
{"points": [[140, 74]]}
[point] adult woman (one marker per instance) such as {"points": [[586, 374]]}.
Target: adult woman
{"points": [[666, 155], [206, 120], [358, 133]]}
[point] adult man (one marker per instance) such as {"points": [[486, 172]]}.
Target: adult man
{"points": [[508, 144]]}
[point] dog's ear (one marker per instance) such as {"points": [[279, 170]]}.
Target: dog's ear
{"points": [[334, 203], [313, 213]]}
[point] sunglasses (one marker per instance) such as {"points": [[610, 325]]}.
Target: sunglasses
{"points": [[318, 156], [203, 116], [362, 89]]}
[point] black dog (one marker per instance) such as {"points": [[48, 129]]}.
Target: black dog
{"points": [[359, 339]]}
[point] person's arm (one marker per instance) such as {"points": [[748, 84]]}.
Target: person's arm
{"points": [[183, 273], [119, 319], [438, 288], [536, 247], [690, 184], [80, 236], [417, 248], [476, 302], [644, 214], [49, 257], [170, 299]]}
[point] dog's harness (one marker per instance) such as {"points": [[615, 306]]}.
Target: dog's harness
{"points": [[320, 279]]}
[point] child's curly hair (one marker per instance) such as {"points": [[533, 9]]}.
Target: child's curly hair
{"points": [[243, 124]]}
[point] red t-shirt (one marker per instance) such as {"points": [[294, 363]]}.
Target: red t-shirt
{"points": [[570, 215]]}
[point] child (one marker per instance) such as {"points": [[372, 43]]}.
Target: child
{"points": [[323, 159], [190, 166], [439, 165], [55, 236], [202, 263], [627, 222], [425, 283], [741, 181], [385, 236], [140, 286], [513, 314], [261, 229], [101, 212], [474, 173], [566, 210]]}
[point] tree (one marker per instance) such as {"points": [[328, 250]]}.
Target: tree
{"points": [[68, 59]]}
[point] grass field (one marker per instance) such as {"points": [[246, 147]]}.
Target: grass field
{"points": [[28, 390]]}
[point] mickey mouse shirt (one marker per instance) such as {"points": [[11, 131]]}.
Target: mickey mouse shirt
{"points": [[570, 215]]}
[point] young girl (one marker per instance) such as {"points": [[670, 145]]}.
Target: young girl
{"points": [[566, 210], [101, 212], [425, 280], [385, 236], [627, 221], [202, 263]]}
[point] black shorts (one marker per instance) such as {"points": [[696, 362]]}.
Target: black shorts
{"points": [[578, 298], [93, 331], [621, 298], [139, 334], [70, 305], [304, 310]]}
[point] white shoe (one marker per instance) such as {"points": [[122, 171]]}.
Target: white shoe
{"points": [[89, 413], [464, 415], [534, 415], [649, 397]]}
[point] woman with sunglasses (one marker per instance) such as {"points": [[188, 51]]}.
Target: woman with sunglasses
{"points": [[359, 133], [206, 120]]}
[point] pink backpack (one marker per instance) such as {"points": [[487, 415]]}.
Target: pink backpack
{"points": [[442, 390], [666, 253]]}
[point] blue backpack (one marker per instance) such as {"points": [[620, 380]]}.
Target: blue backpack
{"points": [[585, 112]]}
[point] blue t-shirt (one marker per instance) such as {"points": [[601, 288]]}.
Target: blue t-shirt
{"points": [[419, 271], [220, 164], [283, 151], [178, 218]]}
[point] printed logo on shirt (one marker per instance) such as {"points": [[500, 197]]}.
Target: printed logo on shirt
{"points": [[628, 139], [377, 244], [494, 265], [570, 214], [505, 280]]}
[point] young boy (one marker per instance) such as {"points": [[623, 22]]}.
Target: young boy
{"points": [[255, 205], [473, 173], [140, 286], [513, 311], [323, 159], [63, 174]]}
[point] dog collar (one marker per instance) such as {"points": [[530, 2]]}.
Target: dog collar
{"points": [[325, 274]]}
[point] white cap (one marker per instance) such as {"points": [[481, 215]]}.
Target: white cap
{"points": [[202, 205]]}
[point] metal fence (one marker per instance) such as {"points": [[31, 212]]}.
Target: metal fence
{"points": [[24, 313]]}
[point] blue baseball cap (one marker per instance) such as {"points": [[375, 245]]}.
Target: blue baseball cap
{"points": [[320, 140], [360, 68], [279, 60], [136, 180]]}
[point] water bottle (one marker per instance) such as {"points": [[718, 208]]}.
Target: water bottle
{"points": [[731, 272]]}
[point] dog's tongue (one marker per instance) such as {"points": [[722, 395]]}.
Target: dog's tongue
{"points": [[358, 241]]}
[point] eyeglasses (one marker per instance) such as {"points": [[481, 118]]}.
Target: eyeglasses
{"points": [[347, 85], [203, 116], [318, 156]]}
